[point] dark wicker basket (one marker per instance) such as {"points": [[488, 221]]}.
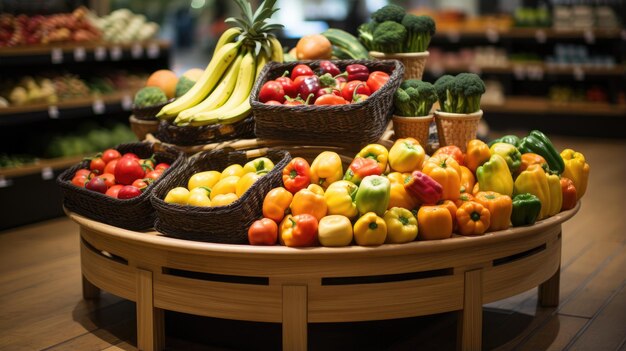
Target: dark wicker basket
{"points": [[358, 123], [189, 135], [149, 112], [136, 213], [225, 224]]}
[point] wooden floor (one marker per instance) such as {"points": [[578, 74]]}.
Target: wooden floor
{"points": [[41, 307]]}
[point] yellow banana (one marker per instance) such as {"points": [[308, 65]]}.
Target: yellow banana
{"points": [[241, 92], [237, 114], [205, 84], [261, 61], [218, 97], [277, 49], [228, 36]]}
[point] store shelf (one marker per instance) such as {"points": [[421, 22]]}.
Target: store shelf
{"points": [[494, 34], [524, 69], [76, 108], [64, 53], [542, 106], [42, 166]]}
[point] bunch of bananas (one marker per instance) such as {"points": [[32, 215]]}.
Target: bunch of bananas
{"points": [[222, 93]]}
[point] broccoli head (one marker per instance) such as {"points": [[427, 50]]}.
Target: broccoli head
{"points": [[410, 83], [149, 96], [389, 37], [366, 34], [389, 12], [442, 89], [402, 103], [420, 29], [468, 88], [416, 99]]}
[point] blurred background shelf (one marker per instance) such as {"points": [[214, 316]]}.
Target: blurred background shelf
{"points": [[543, 106], [41, 166]]}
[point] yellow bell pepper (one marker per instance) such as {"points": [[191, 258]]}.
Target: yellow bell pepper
{"points": [[556, 194], [467, 180], [232, 170], [309, 201], [477, 153], [446, 171], [406, 155], [259, 165], [376, 152], [326, 169], [225, 186], [224, 199], [434, 222], [178, 195], [576, 169], [245, 182], [370, 230], [199, 197], [494, 175], [398, 195], [207, 179], [500, 206], [335, 230], [339, 199], [401, 225], [535, 181]]}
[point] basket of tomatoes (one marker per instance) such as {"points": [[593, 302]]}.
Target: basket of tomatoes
{"points": [[337, 102], [217, 195], [113, 187]]}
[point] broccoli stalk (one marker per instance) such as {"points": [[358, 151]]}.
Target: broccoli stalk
{"points": [[414, 98], [366, 34], [402, 103], [469, 88], [443, 93], [389, 37], [419, 31]]}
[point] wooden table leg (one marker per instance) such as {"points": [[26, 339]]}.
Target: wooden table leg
{"points": [[549, 290], [90, 291], [295, 308], [150, 325], [470, 323]]}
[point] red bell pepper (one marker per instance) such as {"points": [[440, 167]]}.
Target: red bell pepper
{"points": [[360, 168], [301, 70], [354, 87], [297, 175], [330, 99], [376, 80], [328, 90], [569, 194], [357, 72], [308, 85], [424, 188], [329, 67]]}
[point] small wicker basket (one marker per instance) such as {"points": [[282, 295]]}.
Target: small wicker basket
{"points": [[190, 135], [149, 112], [414, 62], [457, 128], [134, 214], [141, 127], [413, 127]]}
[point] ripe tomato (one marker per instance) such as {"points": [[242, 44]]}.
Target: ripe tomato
{"points": [[161, 166], [114, 190], [110, 154], [272, 102], [289, 86], [354, 87], [263, 232], [110, 167], [301, 70], [109, 179], [131, 155], [272, 90], [96, 184], [97, 165], [127, 170], [79, 180], [82, 172], [128, 192], [142, 184], [330, 99], [154, 175]]}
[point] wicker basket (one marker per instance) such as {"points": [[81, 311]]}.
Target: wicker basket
{"points": [[190, 135], [225, 224], [457, 128], [149, 112], [358, 123], [136, 213], [413, 127], [141, 127], [414, 62]]}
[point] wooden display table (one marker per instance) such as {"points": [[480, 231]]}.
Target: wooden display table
{"points": [[297, 286]]}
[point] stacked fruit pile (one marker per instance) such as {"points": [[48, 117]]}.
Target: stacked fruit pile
{"points": [[221, 94]]}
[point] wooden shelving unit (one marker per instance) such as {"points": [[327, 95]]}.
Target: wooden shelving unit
{"points": [[40, 166], [517, 68], [495, 33]]}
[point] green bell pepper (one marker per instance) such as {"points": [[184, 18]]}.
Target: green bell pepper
{"points": [[511, 155], [509, 139], [526, 208], [494, 175], [538, 143], [373, 195]]}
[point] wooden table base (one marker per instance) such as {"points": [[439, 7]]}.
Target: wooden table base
{"points": [[316, 285]]}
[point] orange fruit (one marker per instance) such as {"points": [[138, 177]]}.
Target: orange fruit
{"points": [[164, 79]]}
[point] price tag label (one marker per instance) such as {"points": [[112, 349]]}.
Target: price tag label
{"points": [[153, 50], [100, 53], [136, 51], [53, 112], [519, 72], [493, 36], [56, 55], [47, 173], [590, 37], [116, 53], [127, 102], [579, 73], [540, 36], [98, 107], [80, 54], [5, 183]]}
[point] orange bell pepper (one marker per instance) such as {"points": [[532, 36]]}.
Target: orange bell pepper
{"points": [[453, 151], [310, 201], [530, 158], [465, 197], [297, 231], [445, 170], [569, 194], [500, 207], [477, 153], [452, 207], [467, 179], [276, 204], [434, 222], [399, 197], [472, 218]]}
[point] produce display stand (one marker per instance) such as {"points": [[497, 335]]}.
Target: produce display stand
{"points": [[317, 284]]}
